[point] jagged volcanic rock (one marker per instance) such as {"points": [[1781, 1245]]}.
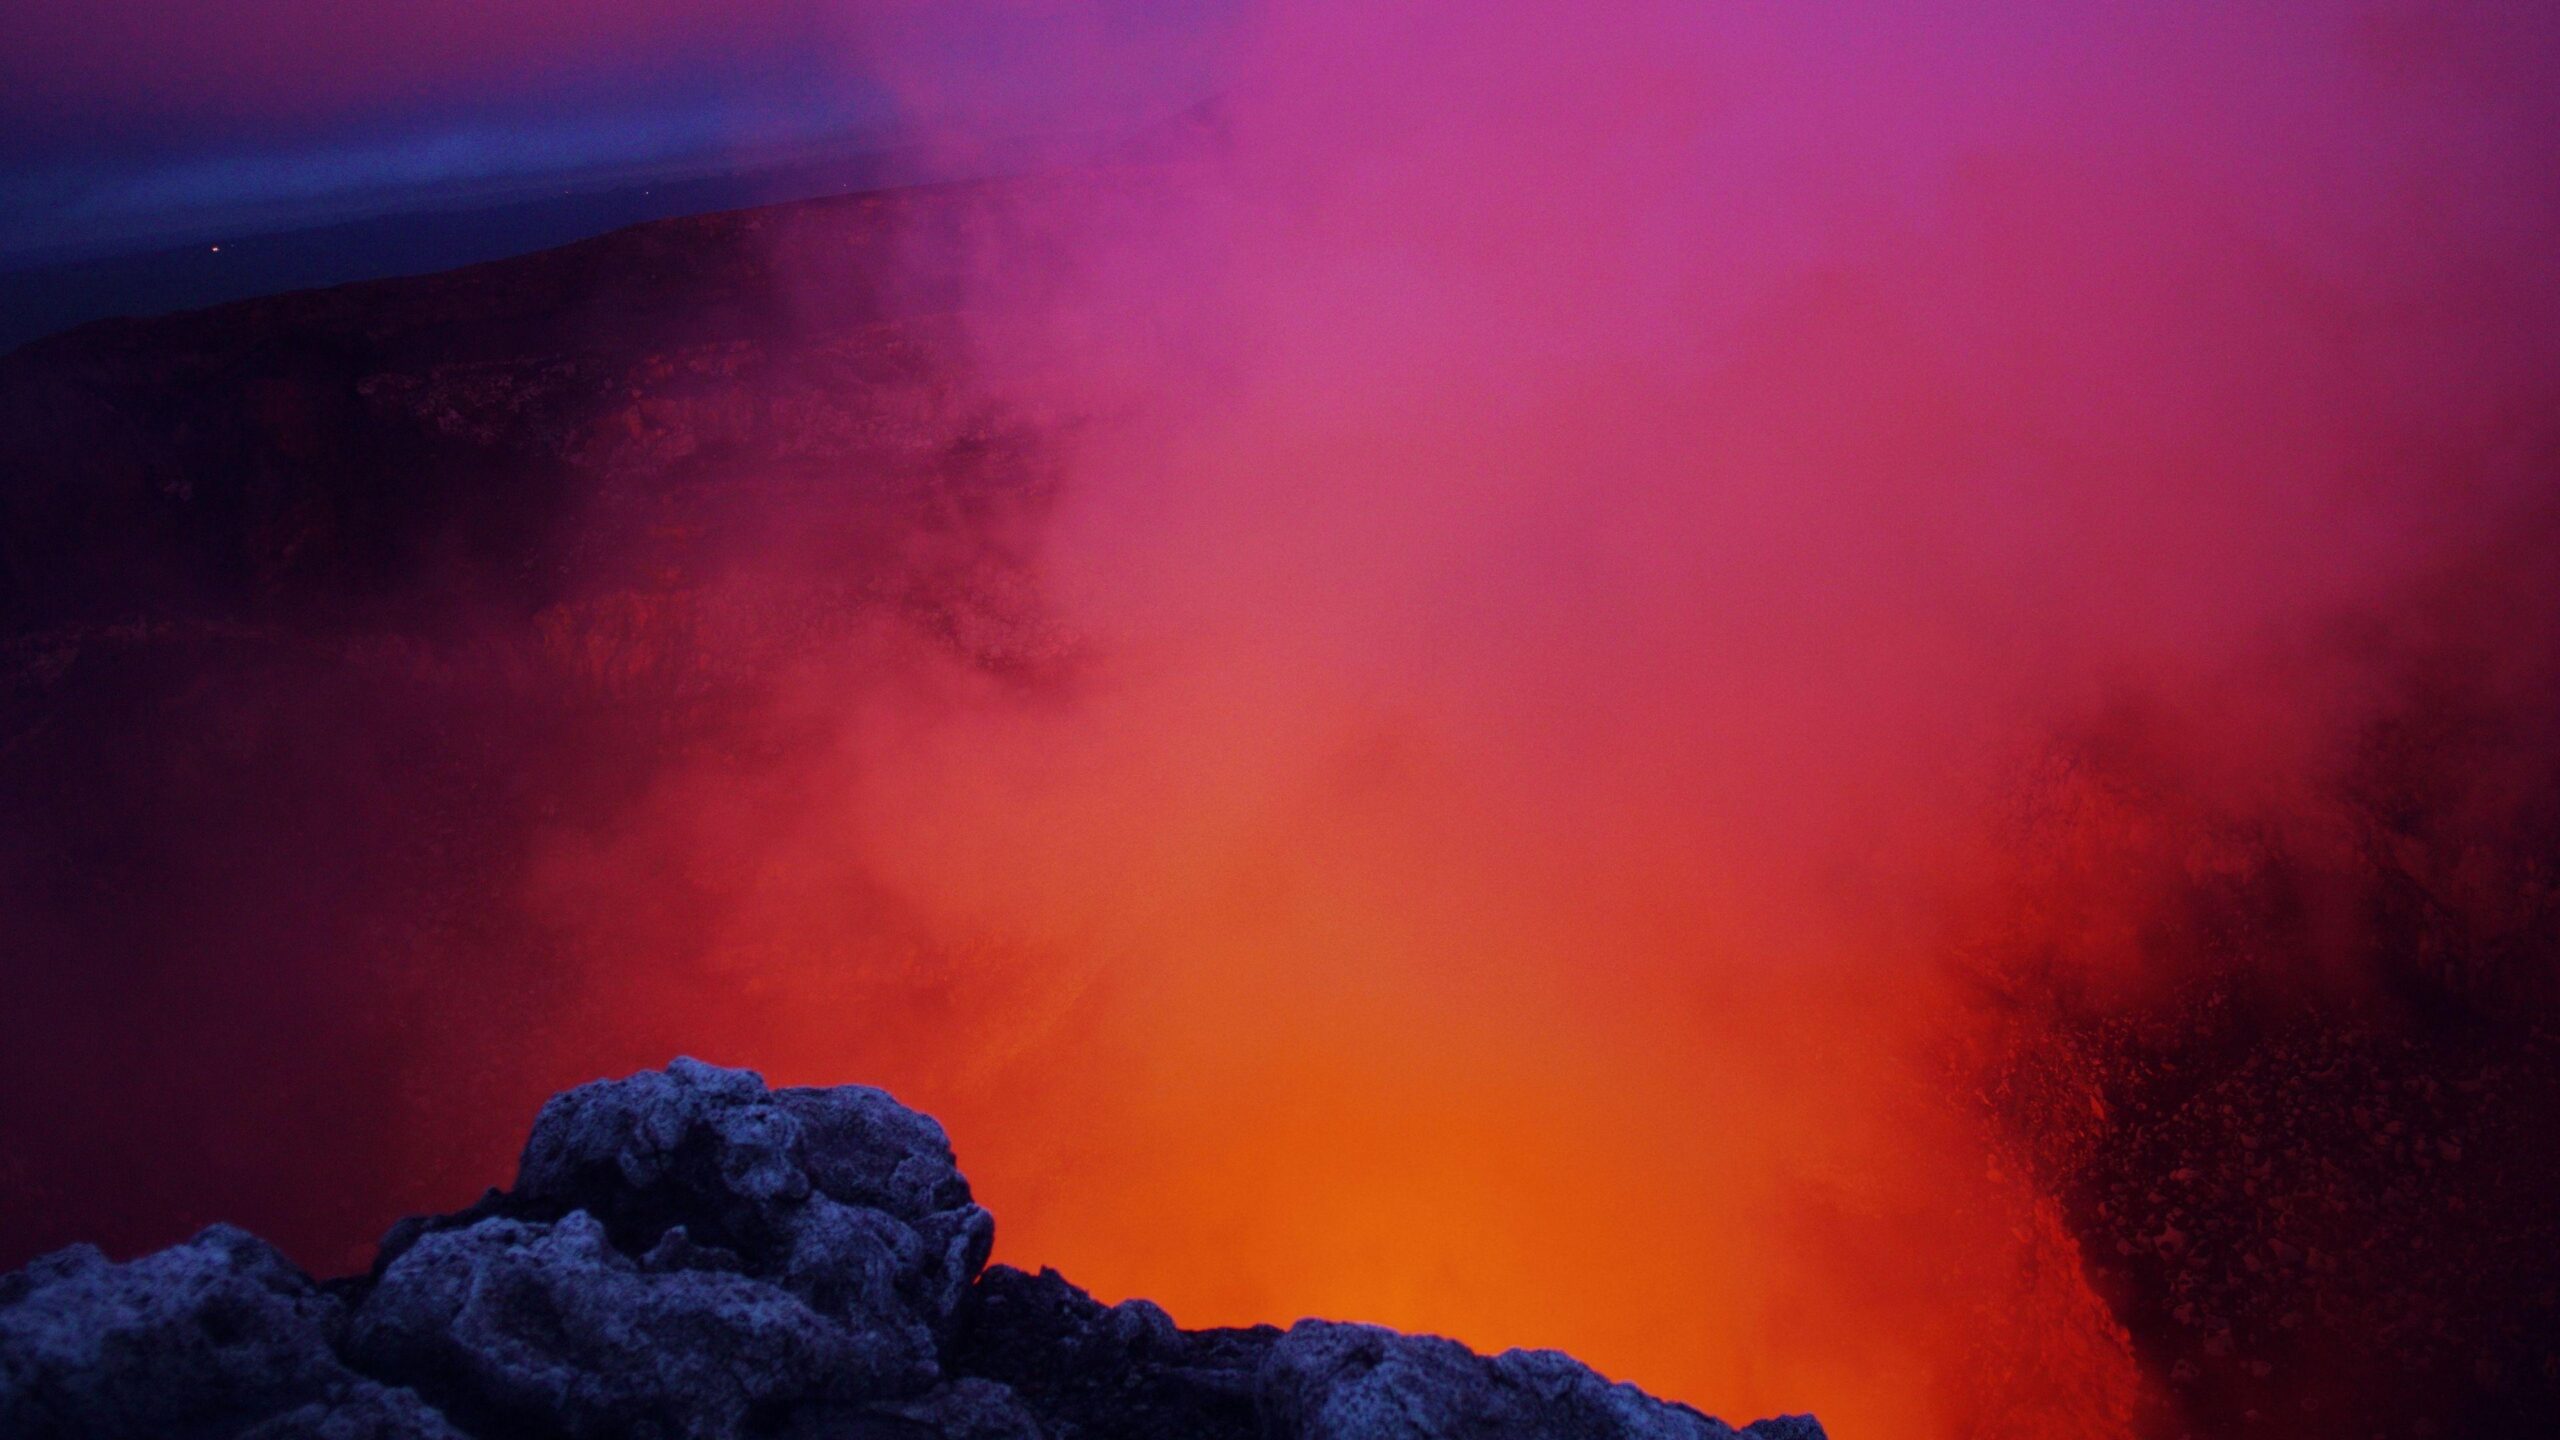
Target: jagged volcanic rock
{"points": [[218, 1336], [688, 1254], [1357, 1382]]}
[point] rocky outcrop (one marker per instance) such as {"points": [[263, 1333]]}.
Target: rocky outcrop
{"points": [[689, 1255], [219, 1336], [1325, 1381]]}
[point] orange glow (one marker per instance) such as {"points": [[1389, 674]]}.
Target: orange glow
{"points": [[1570, 563], [1488, 797]]}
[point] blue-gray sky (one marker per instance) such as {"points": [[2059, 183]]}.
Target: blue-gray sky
{"points": [[124, 122]]}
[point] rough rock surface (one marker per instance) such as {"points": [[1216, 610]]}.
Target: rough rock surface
{"points": [[691, 1256], [218, 1336], [1327, 1381]]}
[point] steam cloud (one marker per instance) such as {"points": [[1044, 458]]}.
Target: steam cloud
{"points": [[1591, 516], [1576, 532]]}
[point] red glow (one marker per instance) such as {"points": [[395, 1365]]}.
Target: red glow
{"points": [[1594, 513], [1579, 533]]}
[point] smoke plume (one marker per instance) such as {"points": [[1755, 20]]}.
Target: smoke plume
{"points": [[1616, 594]]}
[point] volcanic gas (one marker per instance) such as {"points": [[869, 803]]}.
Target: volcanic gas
{"points": [[1852, 709]]}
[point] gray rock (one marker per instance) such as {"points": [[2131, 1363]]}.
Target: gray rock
{"points": [[375, 1413], [218, 1337], [688, 1255], [546, 1327], [962, 1410], [846, 1197], [1112, 1372], [1327, 1381], [972, 1410]]}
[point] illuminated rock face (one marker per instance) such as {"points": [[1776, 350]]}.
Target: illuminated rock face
{"points": [[689, 1254]]}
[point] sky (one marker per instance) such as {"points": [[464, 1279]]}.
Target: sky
{"points": [[129, 121]]}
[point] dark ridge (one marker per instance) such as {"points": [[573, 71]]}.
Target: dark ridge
{"points": [[488, 551], [336, 446]]}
